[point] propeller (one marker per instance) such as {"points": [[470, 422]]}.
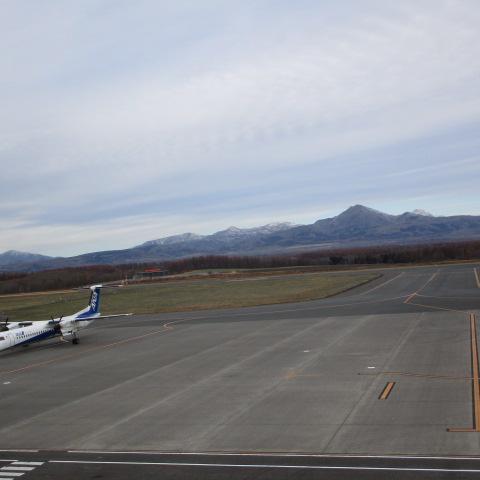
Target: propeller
{"points": [[56, 324], [4, 327]]}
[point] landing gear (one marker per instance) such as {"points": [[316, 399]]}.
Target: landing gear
{"points": [[75, 339]]}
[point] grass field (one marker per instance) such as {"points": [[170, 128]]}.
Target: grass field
{"points": [[186, 296]]}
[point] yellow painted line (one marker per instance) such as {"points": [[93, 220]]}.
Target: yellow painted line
{"points": [[477, 278], [386, 391], [475, 373], [409, 297], [407, 300], [475, 379]]}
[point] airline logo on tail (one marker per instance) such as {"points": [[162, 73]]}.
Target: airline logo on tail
{"points": [[94, 301]]}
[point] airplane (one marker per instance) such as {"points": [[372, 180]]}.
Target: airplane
{"points": [[24, 333]]}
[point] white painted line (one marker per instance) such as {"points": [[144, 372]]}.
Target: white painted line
{"points": [[382, 284], [7, 460], [10, 474], [19, 468], [477, 277], [17, 462], [7, 383], [292, 467], [21, 450], [278, 454], [370, 367]]}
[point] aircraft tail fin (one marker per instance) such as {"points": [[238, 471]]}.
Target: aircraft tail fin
{"points": [[94, 303], [93, 308]]}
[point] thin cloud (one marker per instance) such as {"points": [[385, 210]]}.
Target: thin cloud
{"points": [[114, 112]]}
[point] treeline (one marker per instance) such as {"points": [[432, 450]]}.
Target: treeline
{"points": [[227, 261], [380, 255], [396, 254], [63, 278], [385, 254], [11, 275]]}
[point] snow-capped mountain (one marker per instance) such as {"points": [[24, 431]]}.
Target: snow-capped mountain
{"points": [[14, 257], [421, 212], [230, 233], [358, 225], [173, 239], [235, 232]]}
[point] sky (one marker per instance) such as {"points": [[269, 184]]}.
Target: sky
{"points": [[122, 122]]}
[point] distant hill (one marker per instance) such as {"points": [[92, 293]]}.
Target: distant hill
{"points": [[358, 225], [13, 258]]}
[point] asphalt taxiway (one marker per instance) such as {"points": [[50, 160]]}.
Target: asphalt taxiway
{"points": [[389, 369]]}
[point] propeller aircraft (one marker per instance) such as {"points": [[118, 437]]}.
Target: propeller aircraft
{"points": [[24, 333]]}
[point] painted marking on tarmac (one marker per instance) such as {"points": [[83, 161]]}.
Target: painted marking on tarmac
{"points": [[434, 307], [475, 370], [427, 282], [477, 278], [22, 450], [17, 468], [386, 391], [409, 297], [382, 284], [407, 300], [273, 466], [273, 455], [418, 375], [475, 380], [447, 297]]}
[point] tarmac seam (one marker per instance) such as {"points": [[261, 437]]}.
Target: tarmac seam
{"points": [[126, 382], [304, 364], [403, 339], [204, 380]]}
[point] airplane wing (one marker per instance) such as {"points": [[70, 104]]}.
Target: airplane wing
{"points": [[82, 319]]}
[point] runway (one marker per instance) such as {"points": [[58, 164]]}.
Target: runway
{"points": [[387, 369]]}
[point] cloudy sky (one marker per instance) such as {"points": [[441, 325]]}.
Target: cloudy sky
{"points": [[124, 121]]}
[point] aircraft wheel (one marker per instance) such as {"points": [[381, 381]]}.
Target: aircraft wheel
{"points": [[75, 341]]}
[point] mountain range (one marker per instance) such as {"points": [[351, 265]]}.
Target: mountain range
{"points": [[358, 225]]}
